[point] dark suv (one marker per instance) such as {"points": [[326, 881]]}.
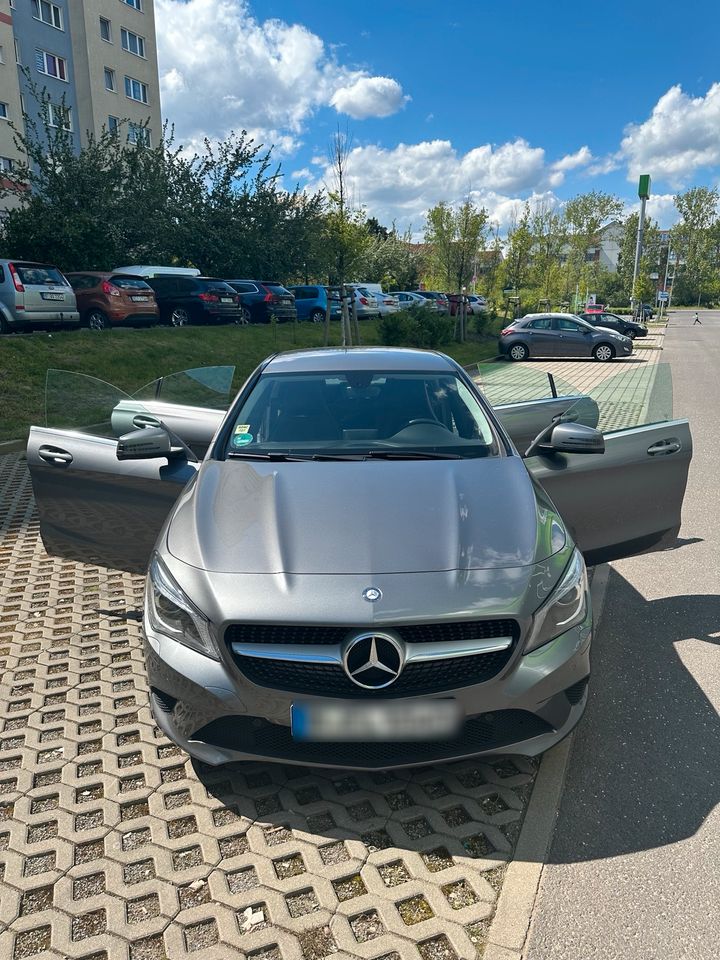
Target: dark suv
{"points": [[184, 300], [263, 299]]}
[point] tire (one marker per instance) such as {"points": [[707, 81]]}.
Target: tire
{"points": [[246, 315], [317, 316], [629, 333], [4, 325], [240, 320], [96, 320], [179, 317], [518, 352], [604, 352]]}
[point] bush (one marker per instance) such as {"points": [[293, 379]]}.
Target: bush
{"points": [[416, 327], [393, 329]]}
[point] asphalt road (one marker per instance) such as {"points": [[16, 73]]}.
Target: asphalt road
{"points": [[634, 867]]}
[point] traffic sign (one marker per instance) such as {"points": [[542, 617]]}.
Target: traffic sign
{"points": [[663, 296]]}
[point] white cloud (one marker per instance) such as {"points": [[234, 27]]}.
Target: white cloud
{"points": [[581, 158], [401, 183], [681, 135], [660, 207], [221, 69], [369, 97]]}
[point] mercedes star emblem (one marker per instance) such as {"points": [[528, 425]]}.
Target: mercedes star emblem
{"points": [[373, 660], [372, 594]]}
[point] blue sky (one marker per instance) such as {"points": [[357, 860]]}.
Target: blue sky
{"points": [[501, 101]]}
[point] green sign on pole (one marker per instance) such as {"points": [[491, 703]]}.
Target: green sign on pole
{"points": [[644, 186]]}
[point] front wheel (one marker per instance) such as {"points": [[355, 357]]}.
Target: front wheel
{"points": [[317, 316], [518, 351], [246, 318], [603, 352], [629, 333], [179, 317], [96, 320]]}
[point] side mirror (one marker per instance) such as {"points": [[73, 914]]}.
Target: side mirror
{"points": [[149, 443], [576, 438]]}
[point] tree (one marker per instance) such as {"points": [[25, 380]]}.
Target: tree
{"points": [[516, 268], [584, 216], [549, 239], [694, 241], [650, 260], [454, 237]]}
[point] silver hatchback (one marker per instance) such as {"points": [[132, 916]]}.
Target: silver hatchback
{"points": [[34, 294]]}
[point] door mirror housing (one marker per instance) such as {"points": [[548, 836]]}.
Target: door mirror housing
{"points": [[576, 438], [149, 443]]}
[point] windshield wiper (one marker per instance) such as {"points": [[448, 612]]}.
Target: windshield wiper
{"points": [[410, 455], [293, 457]]}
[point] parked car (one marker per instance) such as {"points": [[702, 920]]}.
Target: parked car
{"points": [[408, 298], [611, 321], [262, 300], [366, 303], [476, 304], [560, 335], [311, 302], [438, 301], [107, 299], [646, 312], [386, 302], [188, 299], [157, 270], [34, 294], [329, 587]]}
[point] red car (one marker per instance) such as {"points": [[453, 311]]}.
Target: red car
{"points": [[107, 299]]}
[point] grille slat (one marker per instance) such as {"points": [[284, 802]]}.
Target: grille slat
{"points": [[330, 680]]}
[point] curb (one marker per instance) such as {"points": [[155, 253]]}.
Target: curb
{"points": [[11, 446], [508, 933]]}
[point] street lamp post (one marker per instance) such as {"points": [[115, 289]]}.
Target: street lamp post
{"points": [[643, 193]]}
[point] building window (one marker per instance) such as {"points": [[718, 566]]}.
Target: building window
{"points": [[59, 116], [7, 165], [134, 3], [3, 111], [51, 65], [113, 123], [109, 79], [18, 52], [138, 135], [132, 42], [105, 30], [48, 13], [136, 90], [2, 54]]}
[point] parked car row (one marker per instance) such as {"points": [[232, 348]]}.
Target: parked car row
{"points": [[38, 293], [561, 335]]}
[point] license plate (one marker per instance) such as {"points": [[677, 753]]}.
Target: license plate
{"points": [[139, 299], [226, 300], [53, 296], [384, 721]]}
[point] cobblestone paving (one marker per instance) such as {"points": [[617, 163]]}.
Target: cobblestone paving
{"points": [[115, 846]]}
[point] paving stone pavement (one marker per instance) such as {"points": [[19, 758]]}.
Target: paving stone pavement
{"points": [[115, 846]]}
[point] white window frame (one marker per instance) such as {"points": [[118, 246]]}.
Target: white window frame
{"points": [[2, 53], [52, 107], [145, 139], [11, 165], [129, 81], [109, 38], [18, 52], [4, 111], [135, 4], [109, 73], [125, 35], [59, 60], [113, 126], [55, 11]]}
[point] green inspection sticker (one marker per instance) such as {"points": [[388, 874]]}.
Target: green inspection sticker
{"points": [[242, 439]]}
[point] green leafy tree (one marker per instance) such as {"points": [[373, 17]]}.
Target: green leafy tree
{"points": [[518, 259], [694, 240], [454, 237]]}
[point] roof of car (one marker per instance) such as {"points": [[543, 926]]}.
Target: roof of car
{"points": [[359, 358]]}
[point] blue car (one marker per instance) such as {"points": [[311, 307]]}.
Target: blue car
{"points": [[311, 303]]}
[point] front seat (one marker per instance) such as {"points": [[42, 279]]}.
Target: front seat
{"points": [[303, 414]]}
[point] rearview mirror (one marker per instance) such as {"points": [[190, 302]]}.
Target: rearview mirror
{"points": [[148, 443], [576, 438]]}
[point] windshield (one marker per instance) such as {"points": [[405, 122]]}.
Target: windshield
{"points": [[359, 413]]}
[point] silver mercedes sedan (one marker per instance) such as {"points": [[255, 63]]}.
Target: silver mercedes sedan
{"points": [[362, 571]]}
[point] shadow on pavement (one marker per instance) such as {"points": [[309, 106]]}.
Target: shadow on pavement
{"points": [[645, 765]]}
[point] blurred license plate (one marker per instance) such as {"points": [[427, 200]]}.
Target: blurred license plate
{"points": [[139, 299], [226, 299], [390, 720], [53, 296]]}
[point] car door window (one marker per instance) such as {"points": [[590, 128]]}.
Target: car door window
{"points": [[543, 323], [568, 325]]}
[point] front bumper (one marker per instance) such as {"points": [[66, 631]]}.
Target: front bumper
{"points": [[218, 716]]}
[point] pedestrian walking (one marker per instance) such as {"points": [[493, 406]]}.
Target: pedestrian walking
{"points": [[697, 319]]}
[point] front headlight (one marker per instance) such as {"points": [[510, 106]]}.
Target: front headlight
{"points": [[567, 606], [171, 613]]}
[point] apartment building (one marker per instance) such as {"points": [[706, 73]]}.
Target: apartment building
{"points": [[95, 59]]}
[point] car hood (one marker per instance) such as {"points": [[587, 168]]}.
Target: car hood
{"points": [[366, 517]]}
